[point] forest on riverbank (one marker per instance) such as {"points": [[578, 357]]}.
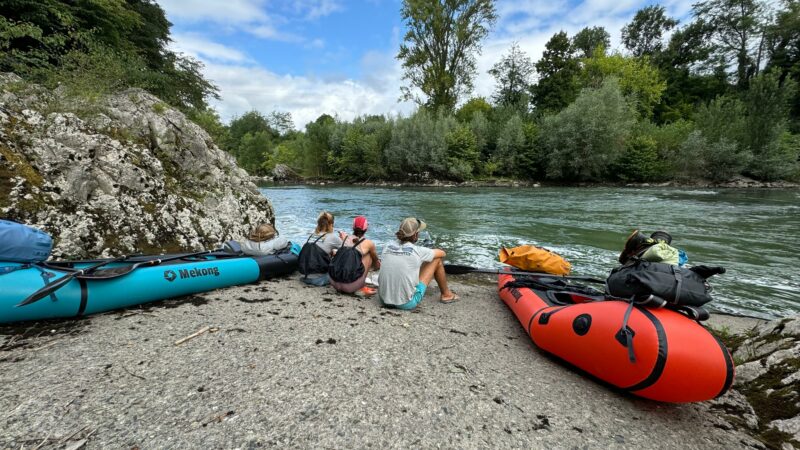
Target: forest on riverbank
{"points": [[711, 99]]}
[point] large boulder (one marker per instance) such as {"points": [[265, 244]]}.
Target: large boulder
{"points": [[122, 174]]}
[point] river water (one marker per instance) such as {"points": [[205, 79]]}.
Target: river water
{"points": [[753, 233]]}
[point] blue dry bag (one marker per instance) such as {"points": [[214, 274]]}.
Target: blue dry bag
{"points": [[23, 244]]}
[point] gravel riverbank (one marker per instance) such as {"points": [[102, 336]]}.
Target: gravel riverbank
{"points": [[292, 366]]}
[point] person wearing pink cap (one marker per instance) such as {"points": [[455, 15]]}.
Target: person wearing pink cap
{"points": [[369, 258]]}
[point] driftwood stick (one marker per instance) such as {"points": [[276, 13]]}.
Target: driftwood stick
{"points": [[133, 374], [193, 335]]}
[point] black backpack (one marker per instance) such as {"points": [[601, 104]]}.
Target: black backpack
{"points": [[346, 266], [669, 283], [312, 258]]}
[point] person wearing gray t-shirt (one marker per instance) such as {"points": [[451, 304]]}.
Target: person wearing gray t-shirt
{"points": [[407, 269], [324, 237]]}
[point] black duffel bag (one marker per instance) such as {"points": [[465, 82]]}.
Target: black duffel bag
{"points": [[642, 280]]}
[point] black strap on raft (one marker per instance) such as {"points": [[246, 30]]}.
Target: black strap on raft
{"points": [[551, 284], [626, 333]]}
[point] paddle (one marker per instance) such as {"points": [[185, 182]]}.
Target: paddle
{"points": [[53, 286], [456, 269], [109, 273]]}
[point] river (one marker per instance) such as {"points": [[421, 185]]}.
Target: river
{"points": [[752, 233]]}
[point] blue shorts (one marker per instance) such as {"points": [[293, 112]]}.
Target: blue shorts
{"points": [[415, 299]]}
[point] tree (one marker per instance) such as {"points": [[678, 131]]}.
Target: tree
{"points": [[783, 47], [315, 153], [738, 27], [92, 47], [558, 75], [637, 78], [281, 122], [439, 48], [723, 124], [589, 39], [644, 35], [471, 107], [513, 77], [583, 141], [766, 105], [462, 152]]}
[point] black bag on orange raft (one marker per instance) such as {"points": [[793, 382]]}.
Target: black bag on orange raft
{"points": [[676, 285]]}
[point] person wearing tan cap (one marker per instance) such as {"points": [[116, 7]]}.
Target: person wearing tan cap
{"points": [[407, 269], [264, 240]]}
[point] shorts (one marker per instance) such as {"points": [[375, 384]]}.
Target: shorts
{"points": [[415, 299], [317, 280]]}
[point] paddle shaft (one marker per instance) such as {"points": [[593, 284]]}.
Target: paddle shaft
{"points": [[53, 286], [61, 282], [457, 270]]}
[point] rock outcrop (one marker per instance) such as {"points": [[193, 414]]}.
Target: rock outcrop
{"points": [[766, 394], [123, 174]]}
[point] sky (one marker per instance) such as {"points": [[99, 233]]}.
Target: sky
{"points": [[338, 57]]}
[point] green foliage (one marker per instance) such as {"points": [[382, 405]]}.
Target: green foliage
{"points": [[92, 47], [644, 35], [462, 152], [587, 137], [637, 78], [736, 28], [439, 47], [513, 78], [767, 108], [209, 120], [640, 161], [251, 149], [724, 129], [589, 39], [471, 107], [418, 145], [558, 71]]}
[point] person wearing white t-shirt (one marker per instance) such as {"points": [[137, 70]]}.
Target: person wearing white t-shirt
{"points": [[407, 269]]}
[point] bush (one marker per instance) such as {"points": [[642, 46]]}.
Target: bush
{"points": [[767, 110], [724, 159], [462, 153], [640, 161], [588, 136], [688, 162]]}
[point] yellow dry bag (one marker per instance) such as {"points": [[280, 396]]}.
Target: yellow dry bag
{"points": [[535, 259]]}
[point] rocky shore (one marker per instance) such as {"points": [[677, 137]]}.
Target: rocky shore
{"points": [[117, 175], [282, 364]]}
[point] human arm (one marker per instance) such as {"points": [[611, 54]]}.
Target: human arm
{"points": [[373, 254]]}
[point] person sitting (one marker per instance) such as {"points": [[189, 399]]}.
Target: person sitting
{"points": [[313, 264], [407, 269], [368, 253], [264, 240]]}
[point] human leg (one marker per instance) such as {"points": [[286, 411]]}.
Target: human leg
{"points": [[434, 270]]}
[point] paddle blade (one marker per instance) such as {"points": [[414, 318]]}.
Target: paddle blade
{"points": [[457, 269], [48, 289]]}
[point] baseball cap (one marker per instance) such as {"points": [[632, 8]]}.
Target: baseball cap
{"points": [[263, 232], [360, 223], [410, 226]]}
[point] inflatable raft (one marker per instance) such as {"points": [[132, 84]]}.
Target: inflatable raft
{"points": [[115, 286], [668, 358]]}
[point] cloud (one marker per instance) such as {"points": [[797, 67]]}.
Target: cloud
{"points": [[244, 88], [225, 12], [314, 9], [196, 45]]}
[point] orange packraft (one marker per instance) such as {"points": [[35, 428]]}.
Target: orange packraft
{"points": [[535, 259]]}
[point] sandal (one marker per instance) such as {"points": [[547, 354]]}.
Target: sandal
{"points": [[452, 299]]}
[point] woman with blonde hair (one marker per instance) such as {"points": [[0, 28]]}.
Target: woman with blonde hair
{"points": [[315, 257]]}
